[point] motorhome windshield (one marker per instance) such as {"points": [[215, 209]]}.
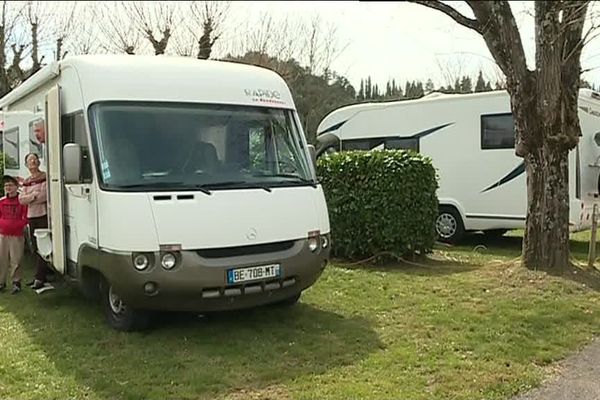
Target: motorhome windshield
{"points": [[166, 146]]}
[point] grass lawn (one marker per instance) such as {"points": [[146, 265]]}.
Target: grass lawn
{"points": [[468, 325]]}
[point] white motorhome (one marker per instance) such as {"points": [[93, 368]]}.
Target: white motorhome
{"points": [[174, 183], [470, 139]]}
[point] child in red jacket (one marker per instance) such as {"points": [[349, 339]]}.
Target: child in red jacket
{"points": [[13, 219]]}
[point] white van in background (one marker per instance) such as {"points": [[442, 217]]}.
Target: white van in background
{"points": [[470, 138]]}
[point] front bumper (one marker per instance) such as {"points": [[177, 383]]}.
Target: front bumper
{"points": [[198, 282]]}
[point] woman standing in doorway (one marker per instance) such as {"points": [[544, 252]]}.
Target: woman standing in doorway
{"points": [[35, 197]]}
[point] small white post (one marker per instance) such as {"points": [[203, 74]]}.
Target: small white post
{"points": [[592, 250]]}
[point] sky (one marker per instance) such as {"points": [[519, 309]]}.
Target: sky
{"points": [[405, 41], [385, 40]]}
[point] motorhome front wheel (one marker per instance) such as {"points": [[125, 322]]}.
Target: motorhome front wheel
{"points": [[448, 225], [118, 314]]}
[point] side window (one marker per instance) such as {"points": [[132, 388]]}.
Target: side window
{"points": [[356, 144], [497, 132], [73, 131], [11, 148], [402, 143]]}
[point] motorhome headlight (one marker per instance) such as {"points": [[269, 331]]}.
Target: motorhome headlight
{"points": [[141, 262], [168, 261], [324, 241], [313, 240]]}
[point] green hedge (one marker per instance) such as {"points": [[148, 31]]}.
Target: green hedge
{"points": [[379, 201]]}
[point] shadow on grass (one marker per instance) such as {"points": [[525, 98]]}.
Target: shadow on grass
{"points": [[512, 244], [186, 356], [418, 267], [579, 245], [475, 248]]}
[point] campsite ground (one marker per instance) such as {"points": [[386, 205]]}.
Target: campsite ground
{"points": [[469, 323]]}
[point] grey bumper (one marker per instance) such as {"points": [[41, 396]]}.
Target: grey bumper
{"points": [[198, 283]]}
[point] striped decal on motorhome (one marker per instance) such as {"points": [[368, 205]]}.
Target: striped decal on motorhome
{"points": [[520, 169]]}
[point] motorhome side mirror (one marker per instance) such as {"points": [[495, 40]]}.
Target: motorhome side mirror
{"points": [[72, 163], [313, 154]]}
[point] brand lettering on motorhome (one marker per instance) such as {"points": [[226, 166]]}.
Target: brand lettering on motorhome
{"points": [[263, 93]]}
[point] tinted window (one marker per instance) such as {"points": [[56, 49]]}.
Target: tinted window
{"points": [[356, 144], [147, 146], [497, 131], [402, 143]]}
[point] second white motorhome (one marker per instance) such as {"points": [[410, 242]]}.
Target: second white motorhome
{"points": [[174, 183], [470, 138]]}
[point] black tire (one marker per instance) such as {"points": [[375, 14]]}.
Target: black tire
{"points": [[449, 226], [495, 233], [118, 315]]}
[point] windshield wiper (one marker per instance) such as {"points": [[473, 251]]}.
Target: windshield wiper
{"points": [[240, 184], [299, 178], [173, 185]]}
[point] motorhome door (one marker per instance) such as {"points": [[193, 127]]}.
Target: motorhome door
{"points": [[55, 178]]}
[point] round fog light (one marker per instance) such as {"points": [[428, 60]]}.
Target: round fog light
{"points": [[324, 241], [150, 287], [168, 261], [141, 262]]}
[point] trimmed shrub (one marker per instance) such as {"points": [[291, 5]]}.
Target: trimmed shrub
{"points": [[379, 201]]}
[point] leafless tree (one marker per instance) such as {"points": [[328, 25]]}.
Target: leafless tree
{"points": [[37, 13], [544, 105], [156, 21], [85, 33], [451, 69], [10, 17], [311, 43], [321, 45], [64, 18], [118, 32], [210, 17]]}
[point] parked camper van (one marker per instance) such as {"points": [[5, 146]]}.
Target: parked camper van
{"points": [[470, 138], [174, 183]]}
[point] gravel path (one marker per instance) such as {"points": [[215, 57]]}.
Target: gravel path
{"points": [[578, 378]]}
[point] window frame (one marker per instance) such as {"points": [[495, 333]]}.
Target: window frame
{"points": [[481, 129], [18, 158], [96, 145]]}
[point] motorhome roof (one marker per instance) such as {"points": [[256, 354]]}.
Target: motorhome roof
{"points": [[169, 78], [331, 120], [439, 96]]}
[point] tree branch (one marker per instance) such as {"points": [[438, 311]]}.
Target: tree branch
{"points": [[451, 12]]}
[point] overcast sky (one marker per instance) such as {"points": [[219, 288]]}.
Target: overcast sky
{"points": [[405, 41]]}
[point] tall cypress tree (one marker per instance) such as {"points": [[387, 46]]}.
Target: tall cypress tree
{"points": [[480, 84]]}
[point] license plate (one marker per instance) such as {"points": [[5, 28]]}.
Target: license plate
{"points": [[237, 275]]}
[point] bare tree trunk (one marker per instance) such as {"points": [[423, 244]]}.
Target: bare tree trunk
{"points": [[532, 254], [555, 219], [544, 103]]}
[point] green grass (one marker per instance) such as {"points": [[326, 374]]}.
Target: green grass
{"points": [[468, 325]]}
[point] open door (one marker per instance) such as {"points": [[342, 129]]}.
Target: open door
{"points": [[55, 179]]}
